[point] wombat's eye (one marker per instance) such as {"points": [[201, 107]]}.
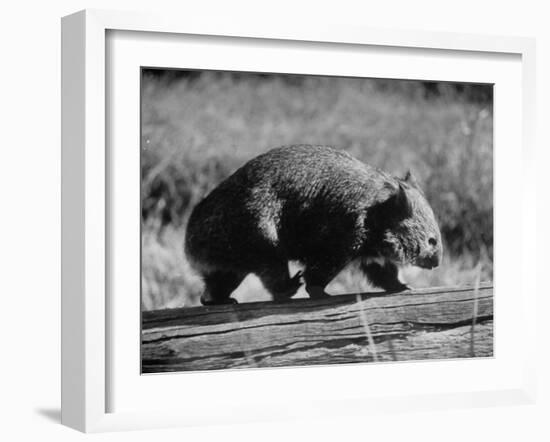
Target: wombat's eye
{"points": [[432, 241]]}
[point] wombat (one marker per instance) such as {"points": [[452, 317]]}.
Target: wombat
{"points": [[316, 205]]}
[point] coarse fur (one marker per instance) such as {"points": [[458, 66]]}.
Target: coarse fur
{"points": [[312, 204]]}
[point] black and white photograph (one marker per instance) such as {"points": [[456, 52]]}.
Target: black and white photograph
{"points": [[299, 220]]}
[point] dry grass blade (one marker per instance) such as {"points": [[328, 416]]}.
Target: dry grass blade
{"points": [[392, 350], [474, 314], [365, 323], [245, 345]]}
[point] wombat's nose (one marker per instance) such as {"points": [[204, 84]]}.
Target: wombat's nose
{"points": [[430, 262]]}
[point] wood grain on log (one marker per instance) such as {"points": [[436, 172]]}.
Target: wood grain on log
{"points": [[411, 325]]}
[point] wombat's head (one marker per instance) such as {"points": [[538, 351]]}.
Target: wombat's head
{"points": [[412, 236]]}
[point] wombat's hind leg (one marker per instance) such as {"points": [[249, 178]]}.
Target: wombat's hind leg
{"points": [[317, 277], [384, 276], [219, 286], [277, 281]]}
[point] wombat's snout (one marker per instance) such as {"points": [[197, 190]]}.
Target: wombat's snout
{"points": [[429, 262], [431, 258]]}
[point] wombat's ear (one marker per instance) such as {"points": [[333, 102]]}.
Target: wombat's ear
{"points": [[394, 208], [410, 179], [402, 202]]}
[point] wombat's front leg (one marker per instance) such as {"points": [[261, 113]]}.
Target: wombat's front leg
{"points": [[384, 276], [219, 286], [318, 276], [276, 280]]}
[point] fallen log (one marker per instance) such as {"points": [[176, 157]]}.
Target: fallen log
{"points": [[436, 323]]}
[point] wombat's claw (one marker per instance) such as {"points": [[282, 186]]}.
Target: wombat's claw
{"points": [[291, 288], [297, 278]]}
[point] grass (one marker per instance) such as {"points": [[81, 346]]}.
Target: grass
{"points": [[197, 129]]}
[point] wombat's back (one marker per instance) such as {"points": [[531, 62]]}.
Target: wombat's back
{"points": [[308, 170]]}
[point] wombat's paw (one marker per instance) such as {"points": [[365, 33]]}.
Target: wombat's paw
{"points": [[291, 288], [316, 292], [294, 284], [398, 287], [210, 301]]}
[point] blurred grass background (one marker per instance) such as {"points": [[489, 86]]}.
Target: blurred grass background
{"points": [[198, 127]]}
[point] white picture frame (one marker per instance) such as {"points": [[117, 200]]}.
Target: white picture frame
{"points": [[86, 210]]}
